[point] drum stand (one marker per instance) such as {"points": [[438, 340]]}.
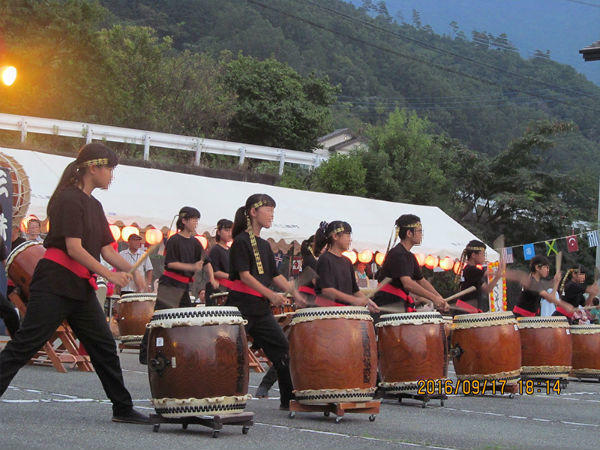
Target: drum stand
{"points": [[339, 409], [216, 422], [424, 398]]}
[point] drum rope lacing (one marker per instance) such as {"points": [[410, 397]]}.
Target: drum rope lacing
{"points": [[543, 322], [342, 312], [181, 407], [410, 319]]}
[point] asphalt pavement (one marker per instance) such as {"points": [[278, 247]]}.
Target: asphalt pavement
{"points": [[46, 409]]}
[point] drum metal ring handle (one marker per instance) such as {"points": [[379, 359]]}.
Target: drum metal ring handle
{"points": [[160, 364], [456, 351]]}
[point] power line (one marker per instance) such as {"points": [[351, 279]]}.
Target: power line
{"points": [[417, 59], [593, 5], [445, 51]]}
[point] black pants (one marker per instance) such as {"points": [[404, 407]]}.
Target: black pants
{"points": [[183, 302], [9, 314], [268, 335], [45, 312]]}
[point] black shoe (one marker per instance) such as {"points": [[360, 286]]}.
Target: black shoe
{"points": [[143, 359], [262, 391], [131, 416]]}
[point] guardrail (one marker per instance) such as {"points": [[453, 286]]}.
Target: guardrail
{"points": [[27, 124]]}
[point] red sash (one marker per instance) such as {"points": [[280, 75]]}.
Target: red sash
{"points": [[470, 308], [564, 312], [225, 282], [61, 258], [398, 292], [324, 301], [177, 277], [523, 312], [239, 286], [307, 290]]}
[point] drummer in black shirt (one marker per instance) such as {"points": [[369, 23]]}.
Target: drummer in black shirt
{"points": [[336, 281], [402, 267], [535, 287], [475, 274], [217, 264], [252, 270], [572, 289], [61, 287], [183, 258]]}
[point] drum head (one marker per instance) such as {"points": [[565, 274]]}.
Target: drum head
{"points": [[413, 318], [209, 315], [543, 322]]}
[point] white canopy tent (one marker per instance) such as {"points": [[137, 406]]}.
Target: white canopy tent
{"points": [[152, 197]]}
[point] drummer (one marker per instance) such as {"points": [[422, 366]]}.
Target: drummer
{"points": [[183, 258], [252, 270], [475, 274], [401, 266], [61, 287], [572, 290], [336, 281], [535, 287], [217, 264]]}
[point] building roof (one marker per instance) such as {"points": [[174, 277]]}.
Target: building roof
{"points": [[591, 52]]}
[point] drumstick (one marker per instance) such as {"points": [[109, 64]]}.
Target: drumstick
{"points": [[558, 261], [399, 306], [461, 293], [384, 282], [139, 262]]}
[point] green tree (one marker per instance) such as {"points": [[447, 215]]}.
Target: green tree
{"points": [[341, 174], [276, 106]]}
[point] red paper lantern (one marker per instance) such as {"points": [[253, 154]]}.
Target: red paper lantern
{"points": [[379, 258], [431, 262], [457, 267], [128, 231], [203, 241], [116, 232], [153, 236], [25, 222], [351, 255], [366, 256], [446, 263], [420, 258]]}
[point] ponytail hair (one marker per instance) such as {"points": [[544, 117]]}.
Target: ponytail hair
{"points": [[326, 231], [93, 154], [243, 222], [569, 275]]}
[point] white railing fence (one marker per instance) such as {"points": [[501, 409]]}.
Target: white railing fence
{"points": [[89, 132]]}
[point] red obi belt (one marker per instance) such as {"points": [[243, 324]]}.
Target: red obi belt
{"points": [[398, 292], [61, 258]]}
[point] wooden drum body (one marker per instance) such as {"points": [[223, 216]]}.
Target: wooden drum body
{"points": [[21, 264], [333, 355], [546, 348], [586, 350], [486, 346], [134, 313], [198, 361], [412, 347]]}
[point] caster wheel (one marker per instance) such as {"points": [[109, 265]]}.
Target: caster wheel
{"points": [[372, 418], [338, 419], [511, 396], [399, 399], [184, 426], [326, 413], [245, 430], [215, 434], [155, 428], [423, 405], [442, 403], [292, 414]]}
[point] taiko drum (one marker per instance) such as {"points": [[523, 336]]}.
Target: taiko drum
{"points": [[486, 346], [586, 350], [21, 263], [546, 347], [134, 313], [333, 355], [412, 347], [198, 361]]}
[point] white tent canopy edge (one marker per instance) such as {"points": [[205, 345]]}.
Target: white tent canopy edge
{"points": [[153, 197]]}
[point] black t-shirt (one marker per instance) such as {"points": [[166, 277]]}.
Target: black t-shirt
{"points": [[336, 272], [472, 276], [241, 259], [529, 299], [181, 249], [308, 260], [18, 241], [574, 293], [76, 215], [398, 263], [219, 258]]}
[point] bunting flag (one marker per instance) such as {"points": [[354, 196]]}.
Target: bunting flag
{"points": [[278, 258], [572, 244], [528, 251], [593, 238], [551, 247], [507, 255]]}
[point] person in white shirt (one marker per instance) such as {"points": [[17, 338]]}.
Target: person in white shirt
{"points": [[131, 255]]}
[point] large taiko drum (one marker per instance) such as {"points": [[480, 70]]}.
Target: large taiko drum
{"points": [[586, 350], [333, 355], [412, 347], [198, 361], [21, 264], [546, 348], [486, 346], [134, 313], [20, 186]]}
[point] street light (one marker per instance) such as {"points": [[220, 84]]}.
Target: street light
{"points": [[8, 74]]}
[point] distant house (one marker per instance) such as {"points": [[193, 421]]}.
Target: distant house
{"points": [[343, 141], [591, 52]]}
